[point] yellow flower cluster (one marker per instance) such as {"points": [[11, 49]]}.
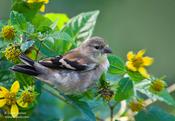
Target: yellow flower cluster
{"points": [[157, 86], [9, 98], [27, 97], [136, 105], [106, 94], [136, 62], [8, 32], [12, 53], [42, 9]]}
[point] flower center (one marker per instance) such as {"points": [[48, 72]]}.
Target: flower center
{"points": [[27, 98], [136, 105], [11, 98], [158, 85], [8, 32], [137, 62]]}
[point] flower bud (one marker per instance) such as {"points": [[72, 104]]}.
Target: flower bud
{"points": [[106, 94], [136, 105], [157, 86], [12, 53], [8, 32], [27, 97]]}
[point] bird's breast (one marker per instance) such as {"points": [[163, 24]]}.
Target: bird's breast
{"points": [[70, 81]]}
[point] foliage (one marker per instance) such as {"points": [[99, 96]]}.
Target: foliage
{"points": [[56, 35]]}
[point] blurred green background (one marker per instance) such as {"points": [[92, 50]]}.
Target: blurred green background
{"points": [[127, 25]]}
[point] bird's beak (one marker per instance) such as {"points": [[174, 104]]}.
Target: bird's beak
{"points": [[107, 50]]}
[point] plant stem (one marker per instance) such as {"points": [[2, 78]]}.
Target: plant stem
{"points": [[112, 113], [112, 107], [37, 52]]}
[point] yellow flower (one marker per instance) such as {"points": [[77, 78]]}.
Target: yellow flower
{"points": [[136, 105], [8, 32], [42, 9], [157, 86], [136, 62], [12, 53], [27, 97], [9, 98]]}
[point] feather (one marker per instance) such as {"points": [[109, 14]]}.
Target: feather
{"points": [[26, 69], [71, 61]]}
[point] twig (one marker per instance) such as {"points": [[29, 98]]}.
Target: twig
{"points": [[171, 88]]}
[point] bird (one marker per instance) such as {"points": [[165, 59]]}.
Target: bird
{"points": [[73, 72]]}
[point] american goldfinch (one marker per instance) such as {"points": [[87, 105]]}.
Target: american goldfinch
{"points": [[73, 72]]}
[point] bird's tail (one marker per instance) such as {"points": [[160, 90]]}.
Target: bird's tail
{"points": [[26, 68]]}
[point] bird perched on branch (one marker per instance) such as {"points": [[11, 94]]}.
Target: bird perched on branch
{"points": [[72, 72]]}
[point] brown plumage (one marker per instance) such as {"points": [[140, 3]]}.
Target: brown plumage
{"points": [[72, 72]]}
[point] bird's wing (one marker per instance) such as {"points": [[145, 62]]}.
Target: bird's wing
{"points": [[72, 61]]}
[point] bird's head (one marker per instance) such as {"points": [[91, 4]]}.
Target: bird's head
{"points": [[95, 47]]}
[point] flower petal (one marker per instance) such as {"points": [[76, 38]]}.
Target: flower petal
{"points": [[14, 111], [140, 53], [143, 72], [2, 102], [147, 61], [130, 66], [130, 55], [30, 1], [15, 87], [46, 1], [42, 9], [1, 95], [21, 103], [3, 91]]}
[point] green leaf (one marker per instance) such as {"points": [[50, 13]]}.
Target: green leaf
{"points": [[60, 19], [40, 26], [30, 28], [81, 27], [124, 90], [28, 10], [117, 65], [47, 108], [103, 79], [84, 109], [135, 76], [3, 44], [166, 97], [82, 106], [24, 80], [163, 96], [55, 44], [5, 73], [18, 19], [154, 114], [27, 45]]}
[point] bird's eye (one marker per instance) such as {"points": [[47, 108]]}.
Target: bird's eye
{"points": [[97, 47]]}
